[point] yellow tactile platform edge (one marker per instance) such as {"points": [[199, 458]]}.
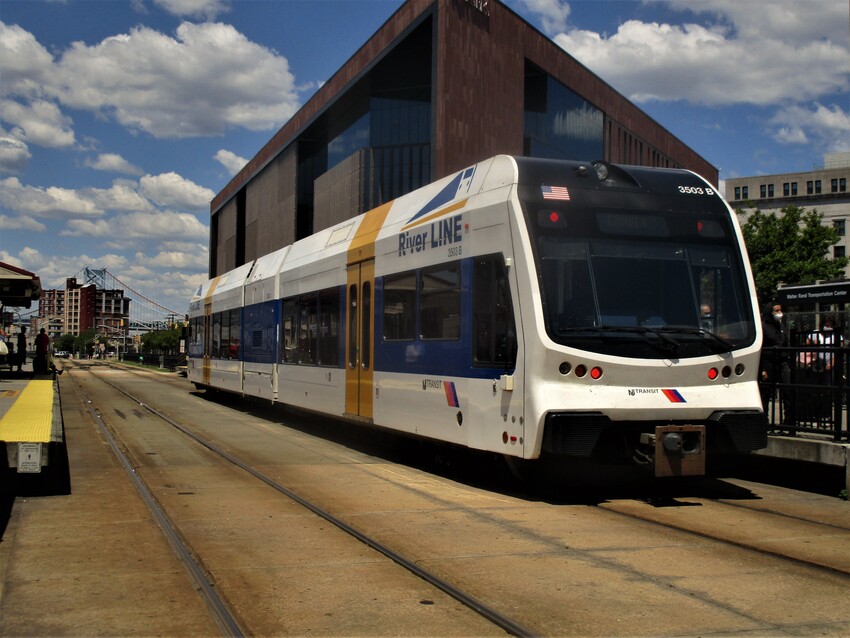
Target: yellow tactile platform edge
{"points": [[30, 418]]}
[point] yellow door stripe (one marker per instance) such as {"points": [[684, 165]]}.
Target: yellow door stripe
{"points": [[363, 244]]}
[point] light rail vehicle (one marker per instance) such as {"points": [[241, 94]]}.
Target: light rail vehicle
{"points": [[532, 308]]}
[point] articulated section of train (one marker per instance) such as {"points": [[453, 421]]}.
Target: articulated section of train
{"points": [[521, 306]]}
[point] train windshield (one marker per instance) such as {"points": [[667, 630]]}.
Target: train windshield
{"points": [[650, 281]]}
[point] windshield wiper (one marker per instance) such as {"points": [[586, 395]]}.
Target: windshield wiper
{"points": [[663, 342], [709, 336]]}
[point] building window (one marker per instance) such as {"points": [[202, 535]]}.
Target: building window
{"points": [[559, 124], [737, 192], [842, 184], [793, 189], [834, 186], [763, 191], [810, 187], [786, 189], [817, 187], [745, 192], [770, 190], [839, 225], [838, 252]]}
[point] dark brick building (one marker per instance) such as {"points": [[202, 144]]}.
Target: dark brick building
{"points": [[441, 85]]}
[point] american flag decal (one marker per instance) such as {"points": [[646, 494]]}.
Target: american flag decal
{"points": [[555, 192]]}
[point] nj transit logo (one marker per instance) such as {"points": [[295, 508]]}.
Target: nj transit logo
{"points": [[424, 232]]}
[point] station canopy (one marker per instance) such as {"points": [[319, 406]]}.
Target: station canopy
{"points": [[18, 287]]}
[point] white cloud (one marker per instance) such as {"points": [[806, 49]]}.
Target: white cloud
{"points": [[206, 79], [207, 9], [14, 153], [52, 202], [39, 122], [159, 225], [826, 126], [553, 14], [114, 163], [194, 259], [745, 57], [21, 223], [27, 66], [121, 196], [87, 228], [172, 190], [231, 161]]}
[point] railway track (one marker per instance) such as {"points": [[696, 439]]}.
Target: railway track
{"points": [[605, 540], [206, 586]]}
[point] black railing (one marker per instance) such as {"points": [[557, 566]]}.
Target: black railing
{"points": [[167, 361], [807, 390]]}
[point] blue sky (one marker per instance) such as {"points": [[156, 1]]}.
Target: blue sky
{"points": [[115, 133]]}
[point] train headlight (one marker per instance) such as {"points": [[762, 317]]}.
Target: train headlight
{"points": [[601, 171], [739, 369], [581, 370], [565, 368]]}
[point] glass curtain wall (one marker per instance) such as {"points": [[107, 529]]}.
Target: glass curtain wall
{"points": [[559, 124], [388, 113]]}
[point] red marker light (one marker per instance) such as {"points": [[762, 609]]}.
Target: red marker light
{"points": [[554, 217], [712, 374], [595, 373]]}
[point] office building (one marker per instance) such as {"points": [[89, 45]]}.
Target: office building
{"points": [[441, 85]]}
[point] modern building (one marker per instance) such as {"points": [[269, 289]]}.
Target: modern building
{"points": [[79, 308], [823, 189], [441, 85]]}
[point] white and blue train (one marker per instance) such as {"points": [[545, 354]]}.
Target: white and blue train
{"points": [[522, 306]]}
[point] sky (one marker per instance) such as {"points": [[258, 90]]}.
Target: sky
{"points": [[115, 132]]}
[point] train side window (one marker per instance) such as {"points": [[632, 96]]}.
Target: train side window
{"points": [[288, 322], [494, 339], [216, 336], [439, 298], [235, 331], [328, 337], [352, 326], [308, 321], [366, 338], [399, 309]]}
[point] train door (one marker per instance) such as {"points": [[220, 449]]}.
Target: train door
{"points": [[359, 339]]}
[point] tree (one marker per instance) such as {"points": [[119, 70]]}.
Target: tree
{"points": [[161, 341], [792, 247]]}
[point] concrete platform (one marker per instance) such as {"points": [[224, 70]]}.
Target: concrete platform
{"points": [[810, 449], [32, 437]]}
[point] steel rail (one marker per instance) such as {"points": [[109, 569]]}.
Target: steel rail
{"points": [[215, 603], [482, 609]]}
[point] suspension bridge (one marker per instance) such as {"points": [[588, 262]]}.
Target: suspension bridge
{"points": [[145, 314]]}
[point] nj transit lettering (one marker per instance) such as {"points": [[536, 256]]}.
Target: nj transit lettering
{"points": [[439, 233]]}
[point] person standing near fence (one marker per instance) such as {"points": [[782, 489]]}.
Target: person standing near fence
{"points": [[774, 366]]}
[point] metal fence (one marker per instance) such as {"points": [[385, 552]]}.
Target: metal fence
{"points": [[168, 361], [807, 390]]}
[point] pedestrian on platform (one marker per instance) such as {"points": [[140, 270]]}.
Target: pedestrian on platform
{"points": [[42, 342], [774, 368], [22, 348]]}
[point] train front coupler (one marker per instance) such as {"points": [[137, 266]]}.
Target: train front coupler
{"points": [[673, 450]]}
